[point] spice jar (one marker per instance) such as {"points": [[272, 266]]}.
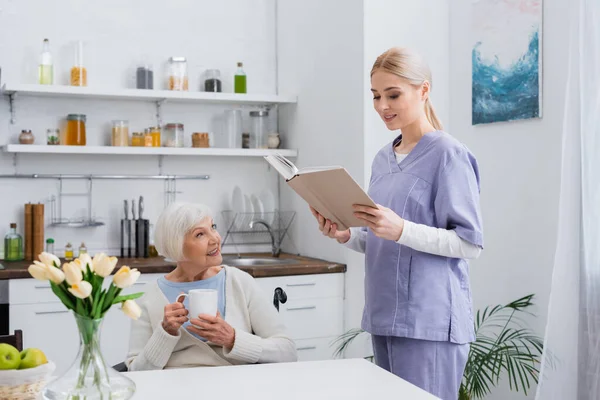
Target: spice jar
{"points": [[155, 133], [173, 135], [212, 82], [147, 137], [245, 140], [26, 137], [200, 139], [52, 136], [75, 133], [120, 133], [78, 72], [82, 249], [273, 141], [137, 139], [50, 245], [177, 73]]}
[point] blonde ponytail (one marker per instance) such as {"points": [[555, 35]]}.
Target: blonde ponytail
{"points": [[432, 116], [408, 65]]}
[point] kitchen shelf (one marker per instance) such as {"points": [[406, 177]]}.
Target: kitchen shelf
{"points": [[144, 151], [144, 95]]}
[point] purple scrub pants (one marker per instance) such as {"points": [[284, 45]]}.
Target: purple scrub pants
{"points": [[436, 367]]}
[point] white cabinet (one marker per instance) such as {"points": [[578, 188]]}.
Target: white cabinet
{"points": [[48, 325], [313, 315]]}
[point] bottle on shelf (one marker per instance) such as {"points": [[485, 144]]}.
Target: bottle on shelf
{"points": [[239, 80], [82, 249], [13, 244], [78, 72], [46, 68], [69, 252], [50, 245]]}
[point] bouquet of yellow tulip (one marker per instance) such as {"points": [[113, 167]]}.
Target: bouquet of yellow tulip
{"points": [[80, 287], [79, 284]]}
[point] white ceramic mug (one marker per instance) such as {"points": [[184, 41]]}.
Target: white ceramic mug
{"points": [[201, 301]]}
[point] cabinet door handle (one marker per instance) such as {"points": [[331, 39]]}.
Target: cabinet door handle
{"points": [[302, 308], [42, 286], [301, 284], [307, 348], [140, 283], [51, 312]]}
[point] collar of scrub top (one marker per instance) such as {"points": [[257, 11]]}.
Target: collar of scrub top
{"points": [[414, 154]]}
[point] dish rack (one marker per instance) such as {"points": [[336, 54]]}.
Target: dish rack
{"points": [[240, 231]]}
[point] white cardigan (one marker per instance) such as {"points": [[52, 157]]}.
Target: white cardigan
{"points": [[260, 335]]}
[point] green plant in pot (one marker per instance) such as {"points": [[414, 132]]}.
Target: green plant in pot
{"points": [[502, 345]]}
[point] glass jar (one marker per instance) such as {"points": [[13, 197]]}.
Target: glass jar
{"points": [[144, 77], [53, 136], [212, 82], [78, 72], [258, 132], [177, 73], [137, 139], [50, 245], [173, 135], [147, 137], [26, 137], [155, 133], [200, 139], [82, 249], [233, 128], [13, 244], [75, 133], [120, 133]]}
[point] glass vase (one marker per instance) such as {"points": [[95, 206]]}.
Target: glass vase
{"points": [[89, 378]]}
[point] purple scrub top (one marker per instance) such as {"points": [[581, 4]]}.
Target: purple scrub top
{"points": [[410, 293]]}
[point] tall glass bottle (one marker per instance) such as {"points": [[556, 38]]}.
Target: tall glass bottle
{"points": [[46, 68], [13, 244], [239, 80]]}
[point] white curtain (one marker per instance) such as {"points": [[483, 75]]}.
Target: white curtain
{"points": [[571, 363]]}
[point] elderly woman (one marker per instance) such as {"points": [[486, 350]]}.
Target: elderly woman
{"points": [[247, 328]]}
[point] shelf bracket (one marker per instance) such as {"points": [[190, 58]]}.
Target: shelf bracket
{"points": [[11, 103], [159, 104]]}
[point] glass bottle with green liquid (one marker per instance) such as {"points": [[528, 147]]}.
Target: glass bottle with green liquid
{"points": [[46, 69], [239, 80], [13, 244]]}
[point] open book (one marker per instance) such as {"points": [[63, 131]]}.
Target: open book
{"points": [[329, 190]]}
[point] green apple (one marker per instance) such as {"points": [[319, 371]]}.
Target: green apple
{"points": [[31, 358], [9, 357]]}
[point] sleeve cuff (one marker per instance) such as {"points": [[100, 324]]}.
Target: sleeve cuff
{"points": [[247, 347], [160, 346], [407, 233]]}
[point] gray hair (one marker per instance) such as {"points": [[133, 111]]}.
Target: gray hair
{"points": [[173, 224]]}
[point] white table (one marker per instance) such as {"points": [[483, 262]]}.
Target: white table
{"points": [[316, 380]]}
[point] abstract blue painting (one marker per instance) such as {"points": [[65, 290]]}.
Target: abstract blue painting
{"points": [[506, 57]]}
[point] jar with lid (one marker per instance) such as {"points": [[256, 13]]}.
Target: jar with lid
{"points": [[78, 71], [75, 133], [173, 135], [144, 77], [50, 245], [148, 137], [258, 133], [212, 82], [26, 137], [177, 73], [137, 139], [120, 133], [200, 139], [155, 134], [53, 136], [82, 249]]}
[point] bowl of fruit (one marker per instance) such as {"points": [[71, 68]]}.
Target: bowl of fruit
{"points": [[23, 374]]}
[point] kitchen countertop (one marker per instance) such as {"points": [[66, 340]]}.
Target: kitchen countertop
{"points": [[18, 269]]}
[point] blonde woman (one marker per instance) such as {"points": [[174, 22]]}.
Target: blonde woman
{"points": [[427, 224], [247, 328]]}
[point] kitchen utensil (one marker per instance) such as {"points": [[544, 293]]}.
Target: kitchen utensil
{"points": [[141, 231], [238, 206], [125, 232], [201, 301], [131, 225], [268, 201], [258, 207]]}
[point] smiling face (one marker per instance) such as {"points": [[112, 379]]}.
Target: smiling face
{"points": [[398, 102], [202, 244]]}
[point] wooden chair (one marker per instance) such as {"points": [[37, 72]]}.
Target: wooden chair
{"points": [[15, 340]]}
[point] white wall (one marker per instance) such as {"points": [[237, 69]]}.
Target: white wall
{"points": [[211, 34], [520, 172], [420, 25], [320, 55]]}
